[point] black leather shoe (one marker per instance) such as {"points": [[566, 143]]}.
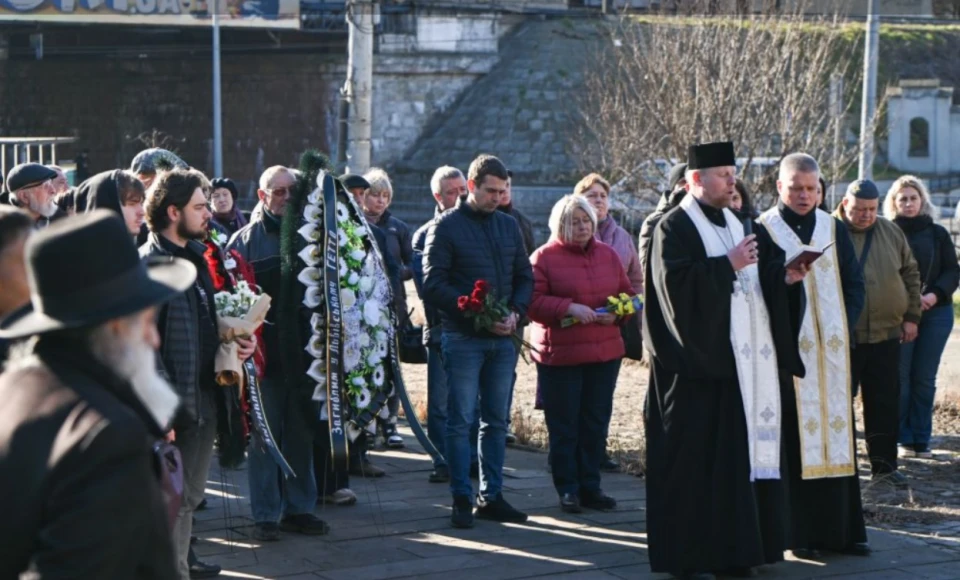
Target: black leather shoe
{"points": [[857, 550], [610, 465], [597, 501], [570, 503], [462, 515], [306, 524], [440, 475], [201, 570], [202, 505], [806, 553]]}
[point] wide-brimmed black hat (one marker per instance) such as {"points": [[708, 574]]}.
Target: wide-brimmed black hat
{"points": [[83, 271]]}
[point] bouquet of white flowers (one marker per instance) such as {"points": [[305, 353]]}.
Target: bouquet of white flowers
{"points": [[239, 314]]}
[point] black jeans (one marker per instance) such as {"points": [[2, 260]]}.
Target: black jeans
{"points": [[876, 368], [577, 402]]}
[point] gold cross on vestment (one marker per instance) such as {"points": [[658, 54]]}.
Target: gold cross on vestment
{"points": [[838, 424], [806, 345], [824, 263], [811, 426], [835, 343]]}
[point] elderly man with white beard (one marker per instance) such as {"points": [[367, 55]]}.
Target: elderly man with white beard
{"points": [[31, 189], [81, 405]]}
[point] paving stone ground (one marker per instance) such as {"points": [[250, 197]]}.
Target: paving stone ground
{"points": [[400, 529]]}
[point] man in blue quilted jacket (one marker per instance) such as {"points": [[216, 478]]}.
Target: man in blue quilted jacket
{"points": [[471, 243]]}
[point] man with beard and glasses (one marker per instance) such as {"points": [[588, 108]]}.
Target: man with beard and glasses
{"points": [[31, 189], [81, 406], [178, 217]]}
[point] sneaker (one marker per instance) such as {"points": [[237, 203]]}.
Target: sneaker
{"points": [[440, 474], [266, 531], [306, 524], [894, 479], [498, 510], [391, 438], [923, 451], [364, 468], [511, 438], [597, 500], [341, 497], [462, 516], [906, 451]]}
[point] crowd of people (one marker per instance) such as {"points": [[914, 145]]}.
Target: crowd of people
{"points": [[759, 330]]}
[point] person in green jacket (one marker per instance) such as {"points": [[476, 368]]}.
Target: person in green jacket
{"points": [[889, 319]]}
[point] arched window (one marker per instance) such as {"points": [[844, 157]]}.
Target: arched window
{"points": [[919, 137]]}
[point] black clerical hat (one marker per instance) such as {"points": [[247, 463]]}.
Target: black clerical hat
{"points": [[83, 271], [711, 155], [863, 189]]}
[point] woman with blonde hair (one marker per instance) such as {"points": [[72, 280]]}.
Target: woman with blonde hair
{"points": [[908, 205], [577, 366], [596, 190]]}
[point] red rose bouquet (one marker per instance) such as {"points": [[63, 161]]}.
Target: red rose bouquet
{"points": [[485, 309]]}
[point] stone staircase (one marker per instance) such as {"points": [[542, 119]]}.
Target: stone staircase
{"points": [[520, 111]]}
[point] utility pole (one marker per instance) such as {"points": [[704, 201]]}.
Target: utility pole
{"points": [[836, 108], [869, 91], [359, 85], [217, 112]]}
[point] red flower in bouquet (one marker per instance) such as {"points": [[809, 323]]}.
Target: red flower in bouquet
{"points": [[483, 307]]}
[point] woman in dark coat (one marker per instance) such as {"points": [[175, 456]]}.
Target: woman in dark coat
{"points": [[223, 201], [908, 205]]}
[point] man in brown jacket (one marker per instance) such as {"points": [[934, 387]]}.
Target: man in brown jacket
{"points": [[889, 318]]}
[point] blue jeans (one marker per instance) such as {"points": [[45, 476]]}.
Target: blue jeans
{"points": [[291, 427], [577, 403], [919, 361], [479, 374], [437, 396]]}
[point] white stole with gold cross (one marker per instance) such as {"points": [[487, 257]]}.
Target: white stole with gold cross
{"points": [[823, 395], [752, 342]]}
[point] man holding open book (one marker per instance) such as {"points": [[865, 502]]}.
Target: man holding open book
{"points": [[817, 408]]}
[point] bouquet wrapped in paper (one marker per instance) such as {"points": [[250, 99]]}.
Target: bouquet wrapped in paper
{"points": [[239, 315]]}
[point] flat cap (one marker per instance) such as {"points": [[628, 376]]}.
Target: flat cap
{"points": [[352, 181], [27, 175], [863, 189], [156, 159]]}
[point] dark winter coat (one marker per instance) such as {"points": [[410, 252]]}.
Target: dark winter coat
{"points": [[81, 493], [465, 245], [936, 256]]}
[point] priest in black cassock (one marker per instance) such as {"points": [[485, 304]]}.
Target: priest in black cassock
{"points": [[715, 324], [818, 426]]}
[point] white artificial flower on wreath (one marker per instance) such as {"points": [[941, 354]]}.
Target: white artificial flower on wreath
{"points": [[348, 298], [318, 323], [366, 284], [310, 255], [312, 299], [320, 393], [358, 254], [353, 279], [318, 371], [343, 214], [309, 277], [310, 232], [361, 231], [359, 381], [351, 357], [316, 346], [343, 268], [314, 197], [379, 375], [374, 358], [371, 313], [364, 340], [342, 239], [364, 398], [311, 213], [382, 348], [368, 266]]}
